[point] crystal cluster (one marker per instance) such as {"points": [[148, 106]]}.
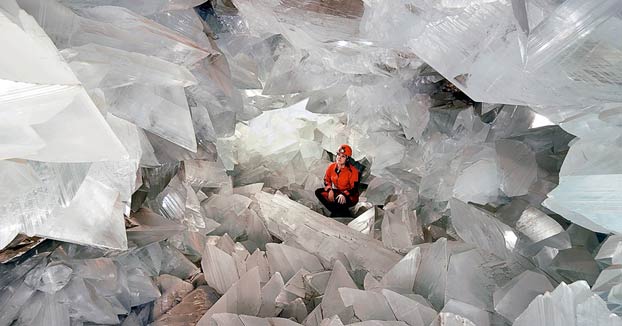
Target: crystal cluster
{"points": [[161, 158]]}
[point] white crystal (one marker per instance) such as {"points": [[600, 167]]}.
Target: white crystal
{"points": [[219, 268], [514, 297]]}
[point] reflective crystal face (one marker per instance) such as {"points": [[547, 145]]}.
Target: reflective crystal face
{"points": [[159, 162]]}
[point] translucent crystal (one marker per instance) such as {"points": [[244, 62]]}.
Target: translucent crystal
{"points": [[479, 181], [572, 304], [400, 228], [151, 228], [142, 289], [54, 278], [408, 310], [269, 293], [431, 277], [332, 302], [205, 173], [288, 260], [101, 25], [477, 315], [610, 251], [244, 297], [518, 167], [367, 305], [293, 289], [576, 264], [219, 269], [401, 277], [514, 297], [104, 227], [476, 226], [450, 319], [472, 279], [440, 30], [589, 190], [140, 8], [364, 223], [286, 219], [258, 259], [51, 102], [173, 290], [295, 310], [86, 304], [176, 264], [191, 308]]}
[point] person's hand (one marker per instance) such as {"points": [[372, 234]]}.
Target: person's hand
{"points": [[327, 188], [341, 199], [331, 196]]}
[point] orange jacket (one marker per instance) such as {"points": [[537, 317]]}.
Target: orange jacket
{"points": [[344, 181]]}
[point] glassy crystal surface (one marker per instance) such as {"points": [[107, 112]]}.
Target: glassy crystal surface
{"points": [[513, 298]]}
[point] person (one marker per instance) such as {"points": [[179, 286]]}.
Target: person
{"points": [[341, 179]]}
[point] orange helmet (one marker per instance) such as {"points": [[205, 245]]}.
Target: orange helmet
{"points": [[345, 149]]}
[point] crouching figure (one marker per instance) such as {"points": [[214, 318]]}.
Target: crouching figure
{"points": [[340, 190]]}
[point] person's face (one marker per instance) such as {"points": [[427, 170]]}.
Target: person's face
{"points": [[341, 158]]}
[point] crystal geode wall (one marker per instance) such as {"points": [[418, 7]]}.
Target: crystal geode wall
{"points": [[170, 158]]}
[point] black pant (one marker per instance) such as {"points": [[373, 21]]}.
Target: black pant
{"points": [[336, 209]]}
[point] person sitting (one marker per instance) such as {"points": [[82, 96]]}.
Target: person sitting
{"points": [[340, 190]]}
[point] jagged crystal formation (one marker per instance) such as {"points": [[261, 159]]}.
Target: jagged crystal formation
{"points": [[209, 129]]}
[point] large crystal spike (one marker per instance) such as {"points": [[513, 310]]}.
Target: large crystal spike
{"points": [[476, 226], [269, 293], [477, 315], [216, 92], [514, 297], [538, 230], [451, 37], [323, 21], [298, 225], [142, 8], [177, 264], [517, 163], [54, 104], [173, 290], [450, 319], [473, 276], [367, 305], [150, 227], [191, 308], [205, 174], [288, 260], [572, 304], [293, 289], [332, 303], [102, 25], [219, 268], [593, 192], [98, 66], [610, 253], [400, 228], [408, 310], [401, 277], [364, 223], [432, 273], [244, 297], [258, 259], [576, 264], [105, 225]]}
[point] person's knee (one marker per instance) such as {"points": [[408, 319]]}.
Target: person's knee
{"points": [[318, 192]]}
